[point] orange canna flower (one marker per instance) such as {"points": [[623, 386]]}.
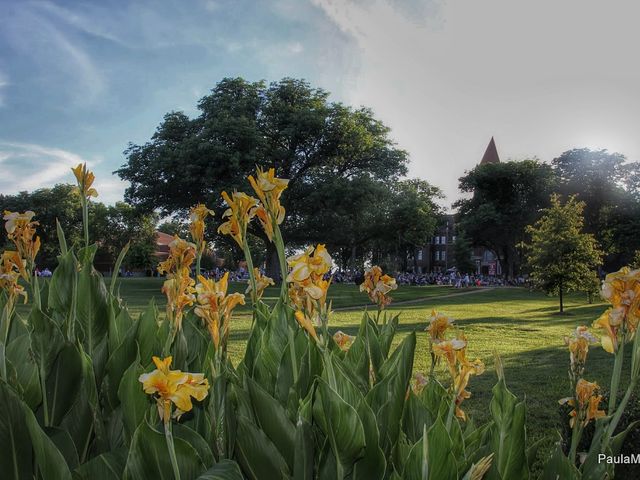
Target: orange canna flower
{"points": [[378, 286], [242, 208], [438, 325], [85, 180], [262, 282], [21, 230], [215, 307], [173, 387]]}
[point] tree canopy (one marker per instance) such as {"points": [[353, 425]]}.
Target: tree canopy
{"points": [[505, 198], [561, 257], [609, 187], [343, 166], [110, 226]]}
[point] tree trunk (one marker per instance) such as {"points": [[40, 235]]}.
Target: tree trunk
{"points": [[272, 263], [561, 304]]}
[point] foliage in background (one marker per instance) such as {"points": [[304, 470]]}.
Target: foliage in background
{"points": [[506, 198], [561, 257], [112, 226], [342, 164]]}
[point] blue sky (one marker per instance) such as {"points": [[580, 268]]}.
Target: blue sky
{"points": [[81, 79]]}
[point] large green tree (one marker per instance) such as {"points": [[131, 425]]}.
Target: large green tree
{"points": [[289, 125], [505, 198], [610, 188], [561, 257], [113, 226]]}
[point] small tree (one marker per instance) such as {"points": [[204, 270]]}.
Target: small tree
{"points": [[561, 257]]}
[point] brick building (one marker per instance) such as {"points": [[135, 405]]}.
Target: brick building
{"points": [[438, 256]]}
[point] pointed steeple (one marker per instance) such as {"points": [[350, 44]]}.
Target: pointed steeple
{"points": [[490, 154]]}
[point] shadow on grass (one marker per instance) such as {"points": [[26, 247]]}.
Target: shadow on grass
{"points": [[540, 378]]}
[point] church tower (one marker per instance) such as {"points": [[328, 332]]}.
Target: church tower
{"points": [[490, 154]]}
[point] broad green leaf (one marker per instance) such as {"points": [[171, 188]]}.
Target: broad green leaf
{"points": [[223, 470], [81, 420], [558, 466], [108, 466], [61, 284], [507, 435], [304, 451], [63, 442], [62, 384], [439, 462], [196, 441], [116, 268], [340, 423], [15, 442], [149, 457], [147, 332], [119, 361], [51, 463], [134, 401], [274, 421], [26, 369], [93, 310], [257, 455]]}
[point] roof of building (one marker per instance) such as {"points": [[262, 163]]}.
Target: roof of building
{"points": [[490, 154]]}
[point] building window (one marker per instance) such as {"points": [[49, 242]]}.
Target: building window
{"points": [[419, 255], [436, 240], [453, 239], [443, 256], [437, 255], [443, 240]]}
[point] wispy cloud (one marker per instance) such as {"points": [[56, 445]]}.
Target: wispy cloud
{"points": [[28, 167], [59, 57], [77, 20], [4, 82]]}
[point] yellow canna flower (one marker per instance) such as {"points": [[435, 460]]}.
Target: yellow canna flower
{"points": [[215, 307], [262, 282], [265, 220], [578, 345], [306, 323], [420, 381], [242, 208], [378, 286], [466, 369], [448, 349], [85, 180], [11, 269], [173, 386], [460, 369], [610, 321], [308, 288], [343, 340], [197, 216], [622, 290], [21, 230], [181, 256], [269, 188], [585, 403], [438, 325], [179, 286]]}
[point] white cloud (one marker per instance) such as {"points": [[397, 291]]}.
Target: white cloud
{"points": [[541, 76], [28, 167]]}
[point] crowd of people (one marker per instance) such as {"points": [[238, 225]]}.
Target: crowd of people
{"points": [[451, 278]]}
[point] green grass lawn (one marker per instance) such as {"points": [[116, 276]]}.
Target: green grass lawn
{"points": [[520, 326]]}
